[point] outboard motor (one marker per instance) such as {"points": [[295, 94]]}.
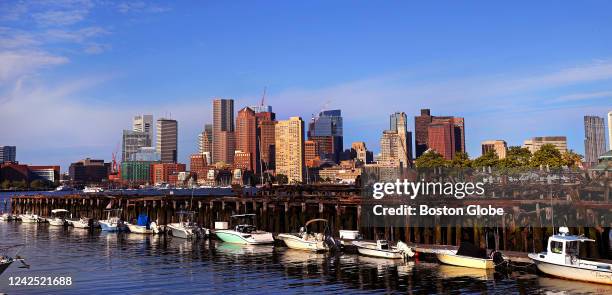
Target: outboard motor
{"points": [[497, 257]]}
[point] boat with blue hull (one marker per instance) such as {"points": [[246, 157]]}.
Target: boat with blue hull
{"points": [[113, 223]]}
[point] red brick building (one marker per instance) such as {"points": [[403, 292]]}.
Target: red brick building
{"points": [[246, 140], [162, 172]]}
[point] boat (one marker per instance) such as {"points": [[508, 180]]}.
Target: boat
{"points": [[6, 260], [31, 218], [82, 222], [59, 217], [306, 240], [64, 188], [382, 249], [561, 259], [186, 228], [244, 233], [92, 189], [468, 255], [144, 226], [112, 223], [7, 217]]}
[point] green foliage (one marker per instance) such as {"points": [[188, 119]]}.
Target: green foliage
{"points": [[20, 184], [571, 159], [6, 184], [431, 159], [461, 160], [547, 155], [489, 159], [38, 184], [516, 157]]}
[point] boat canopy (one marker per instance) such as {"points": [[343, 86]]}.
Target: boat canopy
{"points": [[570, 238], [55, 211], [315, 220], [184, 212], [143, 219], [244, 215]]}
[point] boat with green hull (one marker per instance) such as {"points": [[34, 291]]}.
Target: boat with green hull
{"points": [[244, 233]]}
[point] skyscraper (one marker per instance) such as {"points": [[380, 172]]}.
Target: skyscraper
{"points": [[246, 137], [266, 122], [8, 153], [205, 140], [594, 138], [143, 123], [132, 142], [440, 138], [390, 148], [223, 130], [610, 130], [290, 149], [398, 123], [167, 140], [422, 124], [326, 129]]}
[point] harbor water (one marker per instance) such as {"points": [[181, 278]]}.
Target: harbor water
{"points": [[125, 263]]}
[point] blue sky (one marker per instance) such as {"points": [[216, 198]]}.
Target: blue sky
{"points": [[72, 73]]}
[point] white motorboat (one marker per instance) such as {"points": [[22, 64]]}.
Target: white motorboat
{"points": [[58, 217], [112, 223], [144, 226], [6, 260], [561, 259], [6, 217], [31, 218], [305, 240], [469, 255], [245, 233], [382, 249], [186, 228], [64, 188], [82, 222], [92, 189]]}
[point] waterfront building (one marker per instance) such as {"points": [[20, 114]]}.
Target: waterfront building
{"points": [[499, 146], [290, 149], [205, 140], [266, 122], [534, 144], [594, 139], [246, 139], [143, 123], [88, 171], [449, 143], [8, 153], [48, 173], [13, 171], [132, 141], [326, 129], [137, 172], [162, 172], [223, 131], [167, 140]]}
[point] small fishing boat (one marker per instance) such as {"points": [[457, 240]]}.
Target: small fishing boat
{"points": [[306, 240], [83, 222], [58, 217], [382, 249], [561, 259], [92, 189], [245, 233], [31, 218], [112, 223], [186, 228], [468, 255], [144, 225]]}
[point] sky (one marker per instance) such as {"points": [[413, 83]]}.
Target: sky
{"points": [[73, 73]]}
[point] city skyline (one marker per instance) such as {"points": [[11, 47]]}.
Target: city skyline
{"points": [[87, 75]]}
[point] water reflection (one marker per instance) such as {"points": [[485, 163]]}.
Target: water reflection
{"points": [[133, 263]]}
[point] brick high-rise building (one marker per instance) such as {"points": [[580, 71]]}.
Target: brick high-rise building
{"points": [[223, 131], [421, 127], [246, 137], [594, 138], [440, 138], [266, 122], [161, 173], [311, 153], [290, 149], [198, 165], [167, 140]]}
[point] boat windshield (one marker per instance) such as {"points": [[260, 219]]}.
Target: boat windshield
{"points": [[556, 247], [572, 248]]}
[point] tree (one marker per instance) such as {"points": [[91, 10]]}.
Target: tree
{"points": [[38, 184], [571, 159], [282, 179], [516, 157], [431, 159], [21, 184], [489, 159], [547, 155], [461, 160], [6, 184]]}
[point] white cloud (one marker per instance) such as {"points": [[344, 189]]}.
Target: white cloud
{"points": [[14, 64]]}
